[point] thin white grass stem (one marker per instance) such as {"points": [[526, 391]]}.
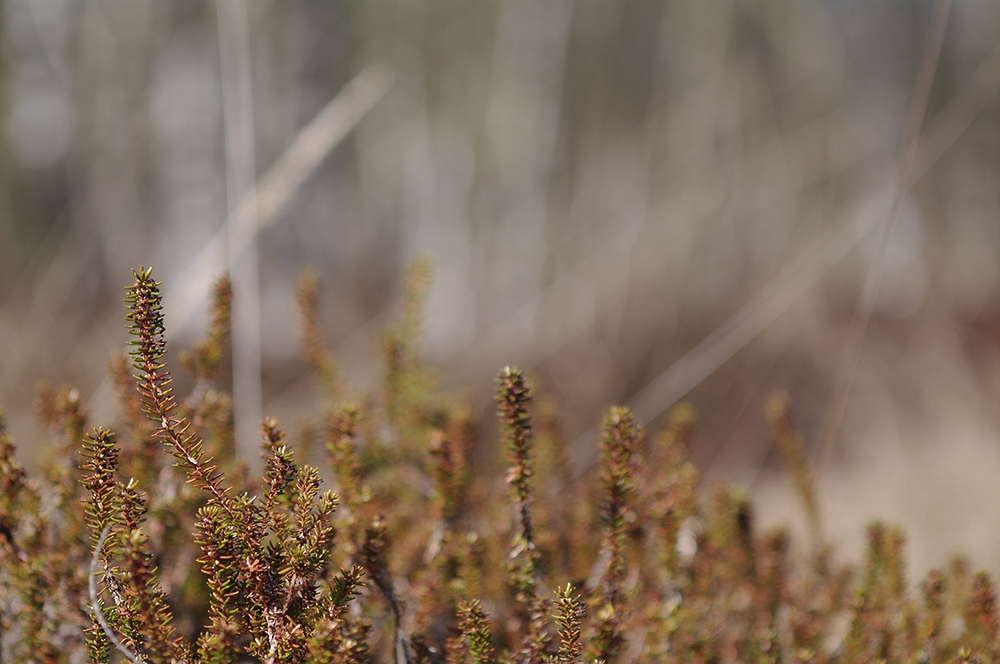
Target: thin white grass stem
{"points": [[275, 188], [806, 269], [241, 224], [95, 605], [865, 305]]}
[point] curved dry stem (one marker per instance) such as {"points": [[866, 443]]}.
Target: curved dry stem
{"points": [[96, 607]]}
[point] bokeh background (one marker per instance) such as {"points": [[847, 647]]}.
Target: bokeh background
{"points": [[602, 185]]}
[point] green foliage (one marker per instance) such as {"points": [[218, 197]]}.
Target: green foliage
{"points": [[570, 613], [475, 633], [113, 554]]}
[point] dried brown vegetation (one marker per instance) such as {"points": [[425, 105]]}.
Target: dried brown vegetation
{"points": [[114, 553]]}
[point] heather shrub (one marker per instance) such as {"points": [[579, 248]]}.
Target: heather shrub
{"points": [[153, 543]]}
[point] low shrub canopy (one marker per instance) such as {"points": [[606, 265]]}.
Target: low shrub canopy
{"points": [[154, 544]]}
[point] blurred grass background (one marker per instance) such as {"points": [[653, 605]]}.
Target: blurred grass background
{"points": [[601, 186]]}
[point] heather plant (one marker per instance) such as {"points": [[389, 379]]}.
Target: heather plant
{"points": [[111, 553]]}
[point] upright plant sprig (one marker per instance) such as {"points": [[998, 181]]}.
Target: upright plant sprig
{"points": [[875, 625], [327, 642], [295, 562], [618, 443], [669, 495], [448, 452], [144, 600], [103, 504], [209, 409], [141, 459], [343, 431], [269, 591], [203, 360], [62, 409], [313, 350], [451, 571], [313, 532], [140, 608], [148, 348], [241, 582], [24, 562], [791, 447], [475, 628], [932, 630], [146, 326], [982, 622], [514, 399], [407, 386], [570, 612], [42, 539], [140, 612], [219, 643]]}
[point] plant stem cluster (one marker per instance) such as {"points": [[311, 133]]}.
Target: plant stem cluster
{"points": [[112, 554]]}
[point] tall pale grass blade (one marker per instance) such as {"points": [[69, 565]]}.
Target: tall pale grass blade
{"points": [[807, 268], [274, 189], [241, 229], [865, 306]]}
